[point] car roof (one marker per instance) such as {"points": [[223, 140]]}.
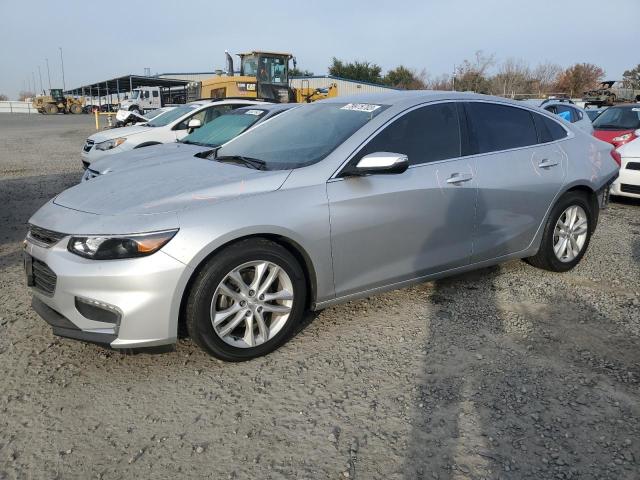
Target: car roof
{"points": [[408, 98], [270, 107], [225, 101]]}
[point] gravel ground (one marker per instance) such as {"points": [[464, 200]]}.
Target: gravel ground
{"points": [[505, 373]]}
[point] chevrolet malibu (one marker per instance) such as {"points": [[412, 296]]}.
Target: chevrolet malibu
{"points": [[334, 201]]}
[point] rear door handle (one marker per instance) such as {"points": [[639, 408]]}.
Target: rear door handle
{"points": [[459, 178], [546, 163]]}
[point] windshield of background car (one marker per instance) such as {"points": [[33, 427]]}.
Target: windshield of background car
{"points": [[168, 117], [304, 136], [619, 118], [225, 127]]}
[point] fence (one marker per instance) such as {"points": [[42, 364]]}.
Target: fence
{"points": [[17, 107]]}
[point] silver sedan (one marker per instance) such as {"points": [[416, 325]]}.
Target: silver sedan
{"points": [[331, 202]]}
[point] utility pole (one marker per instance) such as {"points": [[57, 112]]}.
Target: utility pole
{"points": [[453, 86], [62, 63], [48, 74], [33, 75], [40, 75]]}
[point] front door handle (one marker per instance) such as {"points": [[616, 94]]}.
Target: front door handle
{"points": [[546, 163], [459, 178]]}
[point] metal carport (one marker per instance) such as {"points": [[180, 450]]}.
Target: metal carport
{"points": [[124, 84]]}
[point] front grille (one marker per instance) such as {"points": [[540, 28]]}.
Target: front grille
{"points": [[44, 279], [43, 237], [88, 145], [633, 166], [625, 187]]}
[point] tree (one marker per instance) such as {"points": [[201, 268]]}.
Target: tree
{"points": [[631, 78], [472, 75], [578, 78], [545, 76], [442, 82], [362, 71], [514, 76], [296, 72], [24, 94], [404, 78], [3, 97]]}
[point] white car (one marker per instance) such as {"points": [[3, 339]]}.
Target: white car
{"points": [[567, 110], [166, 128], [628, 183]]}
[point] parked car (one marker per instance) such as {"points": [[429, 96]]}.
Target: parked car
{"points": [[566, 110], [212, 135], [125, 118], [628, 183], [594, 112], [619, 124], [166, 128], [330, 202]]}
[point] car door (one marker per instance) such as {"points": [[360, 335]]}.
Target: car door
{"points": [[388, 228], [519, 173]]}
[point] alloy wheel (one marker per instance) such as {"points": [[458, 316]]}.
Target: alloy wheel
{"points": [[570, 233], [251, 304]]}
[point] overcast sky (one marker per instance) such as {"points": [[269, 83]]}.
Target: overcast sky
{"points": [[102, 40]]}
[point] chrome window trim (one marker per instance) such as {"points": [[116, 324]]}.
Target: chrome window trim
{"points": [[570, 134]]}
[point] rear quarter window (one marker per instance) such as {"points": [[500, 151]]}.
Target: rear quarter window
{"points": [[548, 130], [494, 127]]}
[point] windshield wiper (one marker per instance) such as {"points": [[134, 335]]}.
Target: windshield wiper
{"points": [[252, 162], [200, 144]]}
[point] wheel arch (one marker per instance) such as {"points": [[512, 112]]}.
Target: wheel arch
{"points": [[289, 244], [591, 195]]}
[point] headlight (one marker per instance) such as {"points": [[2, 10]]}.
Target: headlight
{"points": [[113, 247], [622, 138], [109, 144]]}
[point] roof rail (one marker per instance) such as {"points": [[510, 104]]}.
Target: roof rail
{"points": [[561, 100]]}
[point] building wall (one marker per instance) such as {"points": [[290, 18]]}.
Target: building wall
{"points": [[345, 87]]}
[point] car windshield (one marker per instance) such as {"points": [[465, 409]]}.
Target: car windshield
{"points": [[166, 118], [225, 127], [134, 94], [303, 136], [154, 113], [619, 118]]}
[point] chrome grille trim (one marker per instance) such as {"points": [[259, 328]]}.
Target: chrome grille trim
{"points": [[43, 237]]}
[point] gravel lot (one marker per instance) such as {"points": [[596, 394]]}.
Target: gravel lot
{"points": [[505, 373]]}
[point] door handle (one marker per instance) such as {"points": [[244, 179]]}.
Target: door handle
{"points": [[459, 178], [546, 163]]}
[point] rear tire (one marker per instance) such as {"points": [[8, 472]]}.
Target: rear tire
{"points": [[217, 297], [75, 109], [559, 229]]}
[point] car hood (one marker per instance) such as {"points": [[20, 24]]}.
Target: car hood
{"points": [[608, 135], [631, 149], [118, 132], [168, 187], [147, 156]]}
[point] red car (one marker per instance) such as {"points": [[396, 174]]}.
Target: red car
{"points": [[618, 125]]}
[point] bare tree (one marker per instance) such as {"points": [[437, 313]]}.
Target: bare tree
{"points": [[473, 75], [545, 76], [442, 82], [3, 97], [513, 77]]}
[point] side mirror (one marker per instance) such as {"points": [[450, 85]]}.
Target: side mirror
{"points": [[379, 163], [194, 123]]}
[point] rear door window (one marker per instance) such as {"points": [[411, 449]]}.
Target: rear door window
{"points": [[548, 130], [426, 134], [494, 127]]}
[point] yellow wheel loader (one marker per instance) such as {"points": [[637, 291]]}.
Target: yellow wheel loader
{"points": [[56, 102], [263, 75]]}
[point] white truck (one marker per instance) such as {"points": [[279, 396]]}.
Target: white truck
{"points": [[144, 99]]}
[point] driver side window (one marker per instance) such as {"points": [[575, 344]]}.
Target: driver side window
{"points": [[426, 134]]}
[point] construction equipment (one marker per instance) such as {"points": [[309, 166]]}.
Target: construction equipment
{"points": [[263, 75], [56, 102]]}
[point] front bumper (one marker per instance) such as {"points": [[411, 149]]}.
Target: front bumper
{"points": [[141, 290], [628, 182], [95, 154]]}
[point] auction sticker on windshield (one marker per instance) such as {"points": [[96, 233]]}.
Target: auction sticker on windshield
{"points": [[361, 107], [253, 112]]}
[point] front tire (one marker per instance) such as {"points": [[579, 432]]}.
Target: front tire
{"points": [[567, 234], [246, 301]]}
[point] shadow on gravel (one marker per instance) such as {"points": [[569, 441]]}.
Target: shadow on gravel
{"points": [[524, 389], [21, 197]]}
